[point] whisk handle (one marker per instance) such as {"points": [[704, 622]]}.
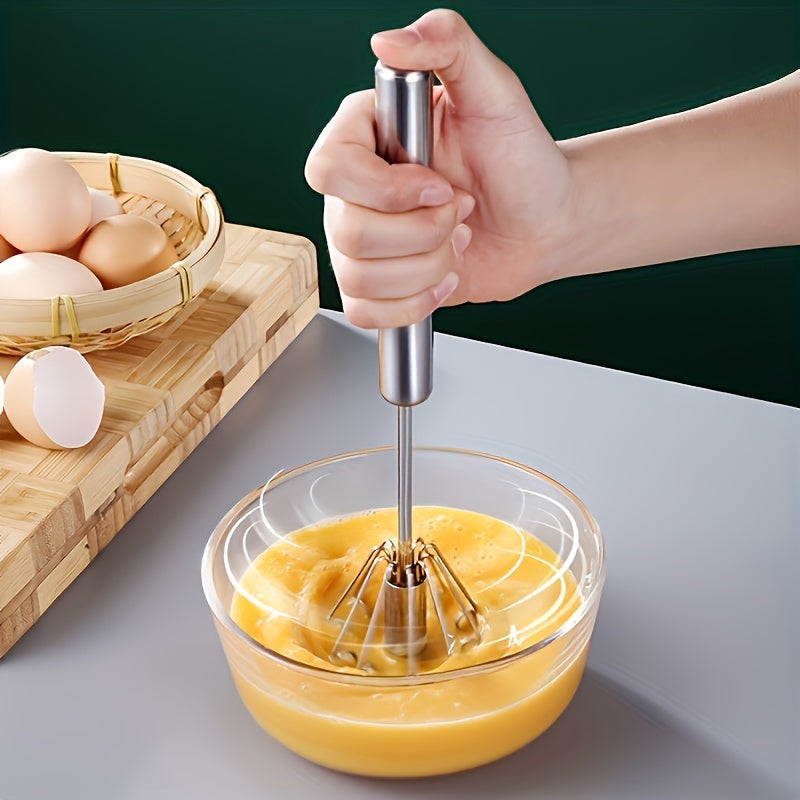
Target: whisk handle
{"points": [[404, 128]]}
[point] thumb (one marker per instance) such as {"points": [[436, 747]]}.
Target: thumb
{"points": [[476, 81]]}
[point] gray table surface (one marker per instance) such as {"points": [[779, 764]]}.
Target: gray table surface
{"points": [[121, 690]]}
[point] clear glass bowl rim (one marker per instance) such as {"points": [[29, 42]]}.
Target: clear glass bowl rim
{"points": [[374, 681]]}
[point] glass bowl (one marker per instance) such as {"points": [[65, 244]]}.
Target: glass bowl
{"points": [[408, 725]]}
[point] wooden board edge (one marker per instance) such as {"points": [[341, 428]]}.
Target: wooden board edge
{"points": [[195, 422]]}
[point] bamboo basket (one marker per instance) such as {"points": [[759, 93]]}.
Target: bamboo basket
{"points": [[192, 219]]}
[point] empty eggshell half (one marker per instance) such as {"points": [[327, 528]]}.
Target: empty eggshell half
{"points": [[54, 399]]}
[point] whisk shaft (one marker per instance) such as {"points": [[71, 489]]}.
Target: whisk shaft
{"points": [[405, 545], [399, 615]]}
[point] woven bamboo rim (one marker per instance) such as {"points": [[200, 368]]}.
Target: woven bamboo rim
{"points": [[188, 213]]}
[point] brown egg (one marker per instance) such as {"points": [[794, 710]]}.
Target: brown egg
{"points": [[44, 203], [6, 250], [124, 249]]}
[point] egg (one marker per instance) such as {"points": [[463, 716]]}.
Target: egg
{"points": [[53, 398], [73, 251], [126, 248], [36, 276], [44, 203], [103, 206], [6, 250]]}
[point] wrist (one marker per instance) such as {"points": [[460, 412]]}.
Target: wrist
{"points": [[555, 225], [564, 242], [598, 222]]}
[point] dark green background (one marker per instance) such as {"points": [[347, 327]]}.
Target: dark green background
{"points": [[236, 93]]}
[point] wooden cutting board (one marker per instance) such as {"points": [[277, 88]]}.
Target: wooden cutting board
{"points": [[164, 392]]}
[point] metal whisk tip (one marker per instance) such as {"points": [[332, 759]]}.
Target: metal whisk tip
{"points": [[404, 613]]}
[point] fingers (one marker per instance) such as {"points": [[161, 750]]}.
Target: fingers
{"points": [[343, 163], [362, 233], [441, 40], [391, 292], [390, 266], [397, 313], [398, 278], [392, 278], [396, 232], [386, 292]]}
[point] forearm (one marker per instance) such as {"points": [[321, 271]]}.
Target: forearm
{"points": [[722, 177]]}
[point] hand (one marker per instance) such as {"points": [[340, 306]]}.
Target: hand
{"points": [[403, 238]]}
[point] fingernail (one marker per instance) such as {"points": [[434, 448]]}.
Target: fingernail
{"points": [[465, 207], [435, 195], [401, 37], [445, 288], [462, 236]]}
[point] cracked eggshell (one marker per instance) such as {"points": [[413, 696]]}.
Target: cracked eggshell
{"points": [[53, 398]]}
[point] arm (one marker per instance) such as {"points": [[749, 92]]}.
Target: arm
{"points": [[721, 177], [506, 208]]}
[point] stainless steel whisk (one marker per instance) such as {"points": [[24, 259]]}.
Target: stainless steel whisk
{"points": [[414, 572]]}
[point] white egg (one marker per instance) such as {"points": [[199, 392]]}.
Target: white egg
{"points": [[36, 276], [53, 398], [103, 206]]}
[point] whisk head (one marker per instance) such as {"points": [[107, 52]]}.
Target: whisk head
{"points": [[402, 612]]}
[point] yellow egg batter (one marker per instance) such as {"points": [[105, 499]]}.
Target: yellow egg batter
{"points": [[443, 722], [522, 590]]}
